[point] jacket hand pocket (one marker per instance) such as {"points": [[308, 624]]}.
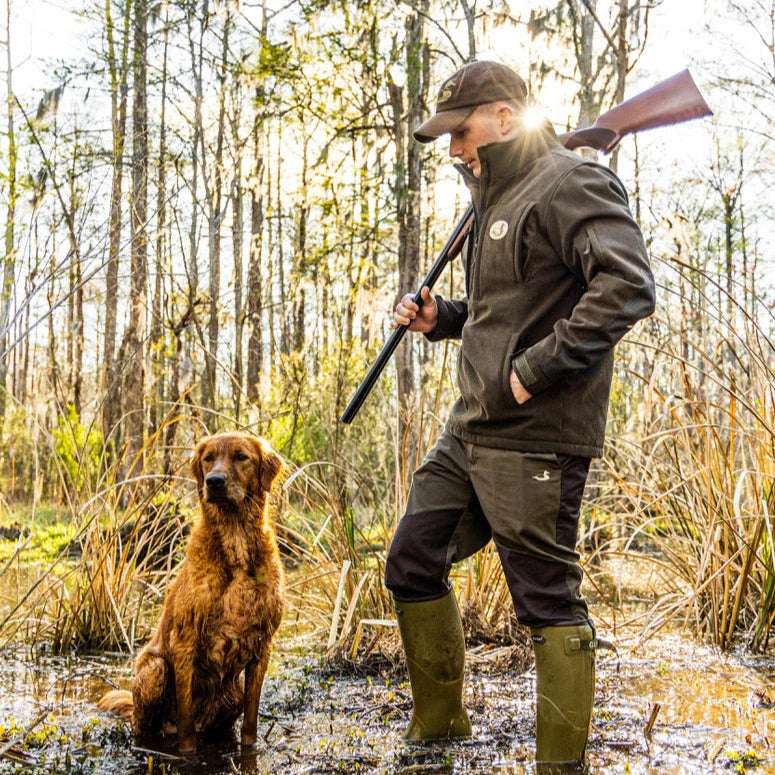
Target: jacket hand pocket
{"points": [[511, 349]]}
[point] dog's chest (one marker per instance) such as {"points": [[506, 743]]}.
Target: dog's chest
{"points": [[236, 547], [237, 624], [243, 597]]}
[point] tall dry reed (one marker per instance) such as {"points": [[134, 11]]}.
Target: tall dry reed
{"points": [[98, 591], [692, 467]]}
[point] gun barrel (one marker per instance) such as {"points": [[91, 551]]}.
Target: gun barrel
{"points": [[451, 249]]}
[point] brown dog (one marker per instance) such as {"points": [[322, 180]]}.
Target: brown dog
{"points": [[221, 611]]}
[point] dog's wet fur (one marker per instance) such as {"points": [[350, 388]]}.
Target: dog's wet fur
{"points": [[205, 664]]}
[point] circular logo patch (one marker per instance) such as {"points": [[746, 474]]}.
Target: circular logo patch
{"points": [[498, 230]]}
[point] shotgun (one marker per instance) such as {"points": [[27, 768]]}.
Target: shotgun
{"points": [[448, 252], [672, 101]]}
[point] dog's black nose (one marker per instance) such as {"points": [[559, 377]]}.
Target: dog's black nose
{"points": [[215, 480]]}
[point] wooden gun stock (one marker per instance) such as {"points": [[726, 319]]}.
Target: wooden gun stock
{"points": [[672, 101]]}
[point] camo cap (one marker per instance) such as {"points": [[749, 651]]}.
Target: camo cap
{"points": [[478, 83]]}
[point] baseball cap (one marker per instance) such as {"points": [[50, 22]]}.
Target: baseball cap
{"points": [[478, 83]]}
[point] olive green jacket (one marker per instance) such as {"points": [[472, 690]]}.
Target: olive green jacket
{"points": [[556, 275]]}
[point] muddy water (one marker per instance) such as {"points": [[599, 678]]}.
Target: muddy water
{"points": [[713, 712]]}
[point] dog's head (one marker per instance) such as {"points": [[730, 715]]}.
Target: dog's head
{"points": [[231, 468]]}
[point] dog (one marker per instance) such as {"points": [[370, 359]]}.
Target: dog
{"points": [[221, 612]]}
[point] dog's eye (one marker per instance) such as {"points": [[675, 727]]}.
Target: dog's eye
{"points": [[240, 456], [209, 458]]}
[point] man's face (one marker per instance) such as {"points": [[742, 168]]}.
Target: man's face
{"points": [[480, 128]]}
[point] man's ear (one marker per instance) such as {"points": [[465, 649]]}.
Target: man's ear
{"points": [[270, 465], [504, 117], [196, 465]]}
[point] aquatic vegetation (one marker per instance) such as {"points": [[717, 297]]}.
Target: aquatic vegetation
{"points": [[44, 747], [742, 760]]}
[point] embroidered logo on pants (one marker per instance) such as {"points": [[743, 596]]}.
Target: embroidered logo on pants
{"points": [[543, 478]]}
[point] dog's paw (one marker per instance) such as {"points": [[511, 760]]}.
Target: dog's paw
{"points": [[187, 747]]}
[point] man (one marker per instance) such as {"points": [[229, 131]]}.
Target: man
{"points": [[555, 274]]}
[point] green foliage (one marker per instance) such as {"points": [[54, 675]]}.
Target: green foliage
{"points": [[46, 543], [48, 747], [20, 462], [79, 450]]}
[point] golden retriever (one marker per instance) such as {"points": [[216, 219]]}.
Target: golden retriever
{"points": [[222, 610]]}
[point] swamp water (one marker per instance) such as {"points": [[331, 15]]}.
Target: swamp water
{"points": [[717, 715]]}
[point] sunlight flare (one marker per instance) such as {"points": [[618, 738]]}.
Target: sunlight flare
{"points": [[532, 117]]}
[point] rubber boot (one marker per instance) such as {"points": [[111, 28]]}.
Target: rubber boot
{"points": [[565, 689], [432, 634]]}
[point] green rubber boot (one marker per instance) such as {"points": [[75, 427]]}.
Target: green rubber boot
{"points": [[432, 634], [565, 689]]}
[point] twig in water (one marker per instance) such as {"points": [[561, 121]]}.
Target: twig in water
{"points": [[652, 719], [715, 751], [161, 754]]}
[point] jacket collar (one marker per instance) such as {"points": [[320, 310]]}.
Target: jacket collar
{"points": [[502, 163]]}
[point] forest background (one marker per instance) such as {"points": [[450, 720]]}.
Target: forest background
{"points": [[209, 209]]}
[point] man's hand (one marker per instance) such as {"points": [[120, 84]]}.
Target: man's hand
{"points": [[520, 394], [423, 319]]}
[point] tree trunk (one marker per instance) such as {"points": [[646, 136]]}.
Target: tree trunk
{"points": [[589, 100], [29, 340], [255, 300], [214, 198], [469, 11], [369, 325], [255, 285], [54, 372], [300, 258], [237, 226], [270, 262], [132, 347], [408, 190], [285, 345], [157, 360], [111, 406], [192, 268], [76, 292], [9, 258], [622, 64]]}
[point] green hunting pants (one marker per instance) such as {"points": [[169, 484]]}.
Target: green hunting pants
{"points": [[527, 502]]}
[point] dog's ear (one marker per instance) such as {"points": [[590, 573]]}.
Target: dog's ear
{"points": [[196, 465], [270, 465]]}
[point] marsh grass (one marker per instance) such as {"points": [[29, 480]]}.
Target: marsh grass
{"points": [[336, 589], [692, 482], [337, 583], [686, 487], [97, 591]]}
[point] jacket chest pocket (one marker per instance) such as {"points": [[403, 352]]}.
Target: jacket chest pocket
{"points": [[522, 243], [502, 251]]}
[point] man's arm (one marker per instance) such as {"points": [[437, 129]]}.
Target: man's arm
{"points": [[437, 318], [452, 317], [591, 228]]}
